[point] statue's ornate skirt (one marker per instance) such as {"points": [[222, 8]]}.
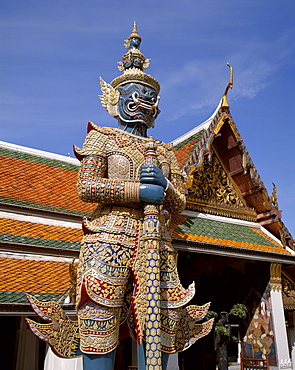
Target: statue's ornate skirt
{"points": [[106, 276], [111, 292]]}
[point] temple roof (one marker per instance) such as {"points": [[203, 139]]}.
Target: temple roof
{"points": [[21, 274], [213, 151], [39, 180], [24, 232], [212, 230], [40, 219], [185, 145]]}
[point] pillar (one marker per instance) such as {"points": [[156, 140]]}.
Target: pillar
{"points": [[52, 362], [27, 344], [281, 340], [292, 338]]}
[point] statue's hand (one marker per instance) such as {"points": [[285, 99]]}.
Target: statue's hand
{"points": [[150, 193], [151, 174]]}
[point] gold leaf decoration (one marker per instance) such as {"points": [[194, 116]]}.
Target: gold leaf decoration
{"points": [[211, 184]]}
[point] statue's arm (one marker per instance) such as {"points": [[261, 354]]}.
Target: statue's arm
{"points": [[93, 184], [94, 187]]}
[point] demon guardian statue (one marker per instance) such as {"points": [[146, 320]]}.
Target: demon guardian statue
{"points": [[127, 275]]}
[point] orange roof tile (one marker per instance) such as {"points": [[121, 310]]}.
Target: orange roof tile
{"points": [[19, 275], [182, 154], [230, 243], [177, 220], [23, 228], [40, 183], [184, 149]]}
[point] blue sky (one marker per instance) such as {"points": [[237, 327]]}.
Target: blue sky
{"points": [[53, 52]]}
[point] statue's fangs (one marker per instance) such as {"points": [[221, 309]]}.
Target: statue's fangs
{"points": [[127, 275]]}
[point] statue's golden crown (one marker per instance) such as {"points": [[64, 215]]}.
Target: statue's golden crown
{"points": [[136, 75], [133, 63]]}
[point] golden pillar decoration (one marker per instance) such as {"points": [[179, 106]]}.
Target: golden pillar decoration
{"points": [[275, 277]]}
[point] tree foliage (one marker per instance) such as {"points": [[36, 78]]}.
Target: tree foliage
{"points": [[239, 310]]}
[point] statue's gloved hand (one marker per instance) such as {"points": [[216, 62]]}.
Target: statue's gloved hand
{"points": [[151, 174], [151, 193]]}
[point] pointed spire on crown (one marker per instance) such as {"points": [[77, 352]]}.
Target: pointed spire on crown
{"points": [[133, 63], [134, 34], [134, 57]]}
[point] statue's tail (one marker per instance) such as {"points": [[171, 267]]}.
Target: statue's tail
{"points": [[189, 331], [62, 334], [181, 327]]}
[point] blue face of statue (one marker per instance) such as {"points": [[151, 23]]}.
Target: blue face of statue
{"points": [[134, 43], [138, 104]]}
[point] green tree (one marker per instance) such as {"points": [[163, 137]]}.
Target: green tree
{"points": [[223, 331]]}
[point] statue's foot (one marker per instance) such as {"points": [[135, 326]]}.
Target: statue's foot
{"points": [[99, 362]]}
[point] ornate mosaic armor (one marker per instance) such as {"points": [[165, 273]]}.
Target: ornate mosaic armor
{"points": [[109, 174]]}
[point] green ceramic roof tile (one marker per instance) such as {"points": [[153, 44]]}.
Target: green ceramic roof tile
{"points": [[42, 206], [36, 159], [60, 244], [195, 137], [222, 230], [20, 297]]}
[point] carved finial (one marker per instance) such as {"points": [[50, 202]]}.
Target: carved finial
{"points": [[274, 197], [224, 102], [133, 59], [134, 32], [134, 40]]}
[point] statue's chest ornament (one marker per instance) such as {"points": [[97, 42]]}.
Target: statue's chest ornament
{"points": [[129, 155], [119, 167], [127, 142], [123, 141]]}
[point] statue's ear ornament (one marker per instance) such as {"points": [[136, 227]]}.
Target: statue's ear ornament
{"points": [[146, 63], [109, 98]]}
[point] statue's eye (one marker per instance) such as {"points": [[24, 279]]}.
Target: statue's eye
{"points": [[153, 96]]}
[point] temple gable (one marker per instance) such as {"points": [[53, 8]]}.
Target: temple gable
{"points": [[213, 191]]}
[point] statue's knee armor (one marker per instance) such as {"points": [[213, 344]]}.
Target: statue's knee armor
{"points": [[99, 328]]}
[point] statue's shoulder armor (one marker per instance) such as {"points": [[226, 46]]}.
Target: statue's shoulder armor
{"points": [[168, 146], [95, 141], [107, 131], [174, 166], [164, 151]]}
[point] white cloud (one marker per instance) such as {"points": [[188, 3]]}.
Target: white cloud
{"points": [[200, 83]]}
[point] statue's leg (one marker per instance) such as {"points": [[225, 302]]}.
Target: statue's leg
{"points": [[141, 358], [99, 362], [165, 357]]}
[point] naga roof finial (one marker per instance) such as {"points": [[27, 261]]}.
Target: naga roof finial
{"points": [[224, 102]]}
